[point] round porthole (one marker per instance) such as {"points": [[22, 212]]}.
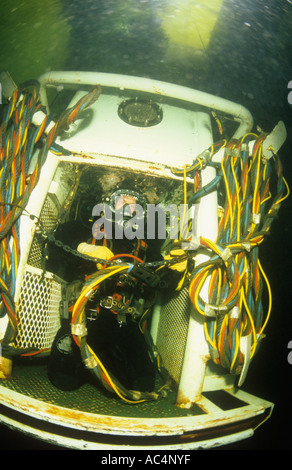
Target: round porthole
{"points": [[140, 113]]}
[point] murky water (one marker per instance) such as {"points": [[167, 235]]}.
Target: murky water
{"points": [[236, 49]]}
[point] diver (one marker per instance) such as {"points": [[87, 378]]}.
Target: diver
{"points": [[113, 314]]}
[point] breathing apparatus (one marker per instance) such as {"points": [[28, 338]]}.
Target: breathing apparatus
{"points": [[128, 210]]}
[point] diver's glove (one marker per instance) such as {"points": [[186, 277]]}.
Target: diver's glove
{"points": [[5, 367], [179, 266], [95, 251]]}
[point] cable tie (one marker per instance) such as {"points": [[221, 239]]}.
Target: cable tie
{"points": [[215, 310], [214, 354], [246, 246], [256, 218], [78, 329], [244, 147], [221, 309], [193, 244], [226, 254], [90, 362], [275, 207], [88, 294], [235, 152], [220, 211], [234, 312], [210, 311], [260, 336]]}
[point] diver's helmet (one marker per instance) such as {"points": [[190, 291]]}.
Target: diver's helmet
{"points": [[124, 215], [128, 206], [126, 211]]}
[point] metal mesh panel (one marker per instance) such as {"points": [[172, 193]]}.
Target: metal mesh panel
{"points": [[172, 332], [38, 310], [48, 219], [33, 381]]}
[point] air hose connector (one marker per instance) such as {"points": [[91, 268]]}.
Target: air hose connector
{"points": [[206, 156]]}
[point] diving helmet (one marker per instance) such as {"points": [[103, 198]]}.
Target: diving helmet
{"points": [[128, 207]]}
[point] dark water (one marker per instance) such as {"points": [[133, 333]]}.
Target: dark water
{"points": [[247, 59]]}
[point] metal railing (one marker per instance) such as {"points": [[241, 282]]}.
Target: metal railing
{"points": [[237, 111]]}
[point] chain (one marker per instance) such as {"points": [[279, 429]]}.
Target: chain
{"points": [[51, 238]]}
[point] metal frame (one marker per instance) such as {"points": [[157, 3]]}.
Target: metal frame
{"points": [[190, 432], [240, 114], [215, 428]]}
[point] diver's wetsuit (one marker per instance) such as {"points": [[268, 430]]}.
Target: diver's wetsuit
{"points": [[120, 346]]}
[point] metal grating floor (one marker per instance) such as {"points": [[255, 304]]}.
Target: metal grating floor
{"points": [[33, 382]]}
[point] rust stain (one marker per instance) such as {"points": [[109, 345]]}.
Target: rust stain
{"points": [[185, 402], [119, 424], [83, 155], [154, 167], [84, 420], [158, 91]]}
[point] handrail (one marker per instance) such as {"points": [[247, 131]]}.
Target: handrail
{"points": [[239, 112]]}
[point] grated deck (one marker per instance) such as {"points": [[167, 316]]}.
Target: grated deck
{"points": [[33, 382]]}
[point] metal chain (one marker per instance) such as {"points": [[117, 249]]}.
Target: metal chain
{"points": [[50, 237]]}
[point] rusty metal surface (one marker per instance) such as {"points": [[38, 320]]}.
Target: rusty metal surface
{"points": [[129, 425], [113, 161]]}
